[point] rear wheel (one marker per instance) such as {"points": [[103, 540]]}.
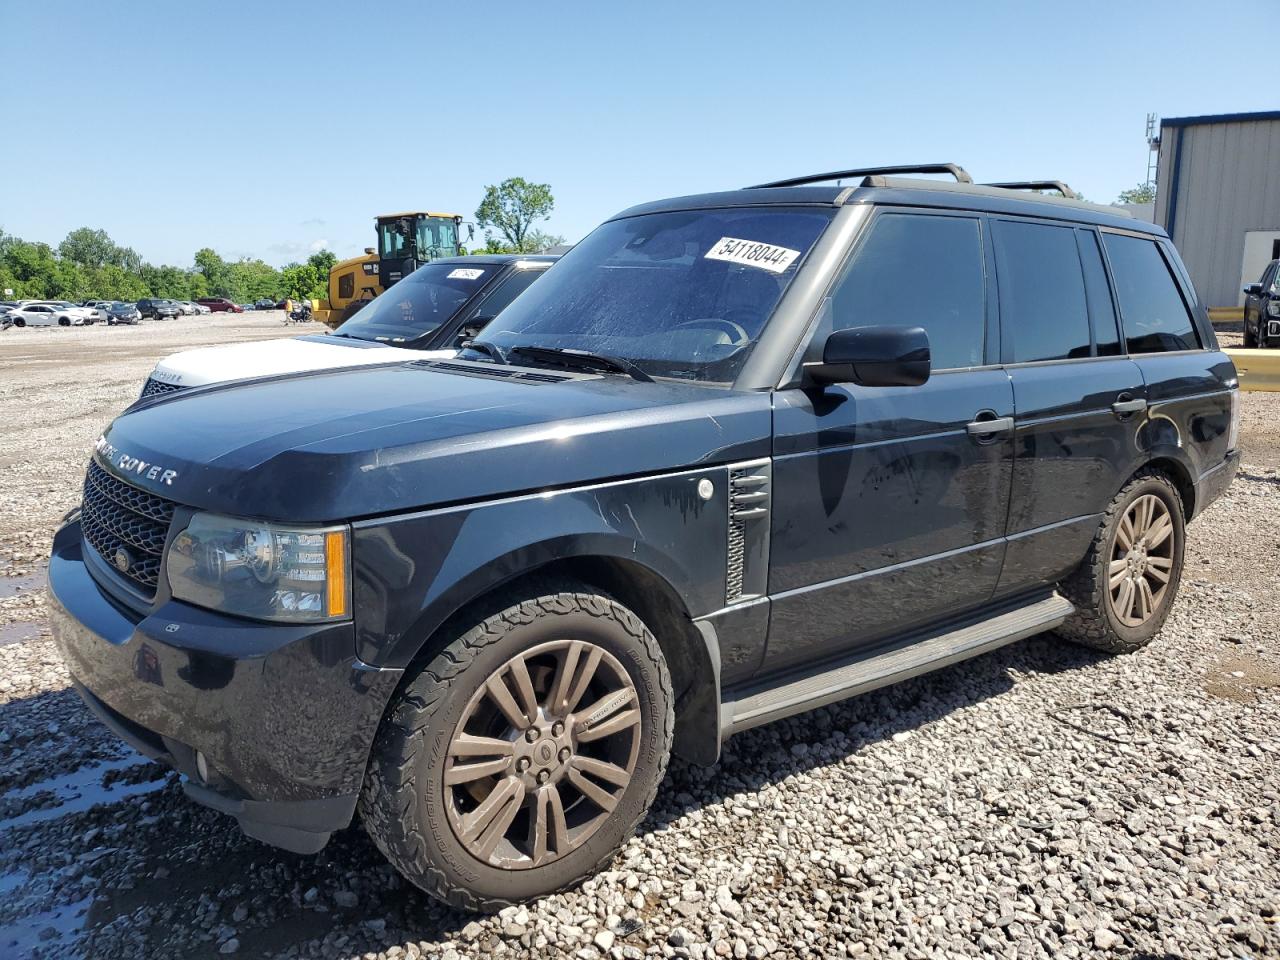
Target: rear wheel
{"points": [[19, 322], [1125, 587], [520, 758]]}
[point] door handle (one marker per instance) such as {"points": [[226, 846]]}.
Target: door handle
{"points": [[990, 428], [1124, 407]]}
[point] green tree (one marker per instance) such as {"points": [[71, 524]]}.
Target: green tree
{"points": [[1142, 193], [87, 248], [539, 242], [513, 206]]}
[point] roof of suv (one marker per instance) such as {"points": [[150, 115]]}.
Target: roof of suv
{"points": [[501, 258], [907, 191]]}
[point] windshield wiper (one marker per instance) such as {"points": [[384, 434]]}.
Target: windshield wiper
{"points": [[488, 349], [583, 360]]}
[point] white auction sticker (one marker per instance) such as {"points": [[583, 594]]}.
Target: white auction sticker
{"points": [[465, 273], [749, 253]]}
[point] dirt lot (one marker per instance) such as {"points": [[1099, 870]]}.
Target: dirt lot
{"points": [[1038, 801]]}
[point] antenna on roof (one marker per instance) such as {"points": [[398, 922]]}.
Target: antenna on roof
{"points": [[1153, 147]]}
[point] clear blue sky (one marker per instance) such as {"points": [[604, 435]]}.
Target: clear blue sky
{"points": [[266, 129]]}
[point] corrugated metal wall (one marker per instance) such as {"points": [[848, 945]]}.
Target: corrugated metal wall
{"points": [[1228, 182]]}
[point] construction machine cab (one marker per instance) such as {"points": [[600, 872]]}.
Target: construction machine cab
{"points": [[408, 240]]}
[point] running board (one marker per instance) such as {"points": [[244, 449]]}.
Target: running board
{"points": [[867, 673]]}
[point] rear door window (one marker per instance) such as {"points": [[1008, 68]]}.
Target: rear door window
{"points": [[1044, 313], [1154, 316], [918, 270]]}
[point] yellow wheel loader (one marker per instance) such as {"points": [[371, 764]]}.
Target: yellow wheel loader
{"points": [[405, 242]]}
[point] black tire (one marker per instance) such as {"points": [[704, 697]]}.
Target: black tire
{"points": [[411, 826], [64, 321], [1095, 623], [1250, 338], [19, 322]]}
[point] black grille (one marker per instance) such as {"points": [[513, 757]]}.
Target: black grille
{"points": [[125, 524], [748, 502], [154, 387]]}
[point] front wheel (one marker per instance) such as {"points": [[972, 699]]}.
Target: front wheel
{"points": [[1125, 587], [1250, 338], [64, 321], [518, 760]]}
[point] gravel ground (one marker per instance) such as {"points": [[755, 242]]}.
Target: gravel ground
{"points": [[1040, 801]]}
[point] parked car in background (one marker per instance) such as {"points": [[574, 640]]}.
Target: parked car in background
{"points": [[119, 312], [1262, 309], [37, 314], [156, 309], [220, 305], [264, 303], [430, 313], [201, 308], [245, 306], [87, 315]]}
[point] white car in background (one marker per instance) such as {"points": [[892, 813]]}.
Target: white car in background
{"points": [[427, 315], [44, 313]]}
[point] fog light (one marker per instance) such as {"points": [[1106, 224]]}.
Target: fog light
{"points": [[202, 767]]}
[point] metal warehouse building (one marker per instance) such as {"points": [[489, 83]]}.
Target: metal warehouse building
{"points": [[1218, 196]]}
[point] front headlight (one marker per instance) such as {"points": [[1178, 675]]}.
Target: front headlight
{"points": [[264, 571], [1273, 308]]}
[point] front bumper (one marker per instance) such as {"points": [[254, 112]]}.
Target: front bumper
{"points": [[284, 715]]}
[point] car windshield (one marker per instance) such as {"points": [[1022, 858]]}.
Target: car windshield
{"points": [[683, 294], [420, 303]]}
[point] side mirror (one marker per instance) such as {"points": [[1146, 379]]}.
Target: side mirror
{"points": [[1254, 289], [879, 356]]}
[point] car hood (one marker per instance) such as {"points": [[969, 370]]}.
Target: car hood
{"points": [[356, 443], [264, 358]]}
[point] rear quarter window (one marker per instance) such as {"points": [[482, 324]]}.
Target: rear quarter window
{"points": [[1153, 315]]}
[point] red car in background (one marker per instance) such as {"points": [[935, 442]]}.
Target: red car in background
{"points": [[219, 305]]}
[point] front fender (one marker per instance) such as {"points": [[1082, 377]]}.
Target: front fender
{"points": [[411, 573]]}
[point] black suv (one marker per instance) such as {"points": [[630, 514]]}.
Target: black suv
{"points": [[735, 456], [155, 309], [1262, 309]]}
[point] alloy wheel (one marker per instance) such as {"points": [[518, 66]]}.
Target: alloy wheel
{"points": [[542, 754], [1141, 560]]}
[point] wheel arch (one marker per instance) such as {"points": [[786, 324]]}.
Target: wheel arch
{"points": [[692, 655], [1179, 474]]}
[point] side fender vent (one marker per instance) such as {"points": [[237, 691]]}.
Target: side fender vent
{"points": [[750, 492]]}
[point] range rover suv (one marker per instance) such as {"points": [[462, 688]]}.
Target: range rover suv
{"points": [[429, 313], [738, 455]]}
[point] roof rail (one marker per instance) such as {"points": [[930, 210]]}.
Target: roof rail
{"points": [[957, 171], [1058, 185]]}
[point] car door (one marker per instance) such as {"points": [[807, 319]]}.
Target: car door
{"points": [[889, 503], [1078, 400], [38, 315], [1266, 296], [1166, 331]]}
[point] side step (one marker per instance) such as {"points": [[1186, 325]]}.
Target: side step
{"points": [[852, 677]]}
